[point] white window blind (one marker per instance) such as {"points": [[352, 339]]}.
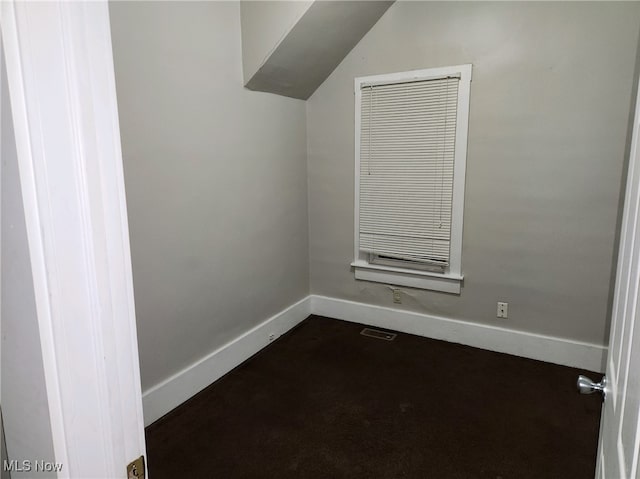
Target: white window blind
{"points": [[407, 153]]}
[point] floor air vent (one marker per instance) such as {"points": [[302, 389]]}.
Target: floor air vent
{"points": [[376, 333]]}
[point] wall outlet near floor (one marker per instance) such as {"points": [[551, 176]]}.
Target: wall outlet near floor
{"points": [[272, 336], [503, 310], [397, 296]]}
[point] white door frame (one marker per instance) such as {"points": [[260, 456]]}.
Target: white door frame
{"points": [[619, 441], [62, 90]]}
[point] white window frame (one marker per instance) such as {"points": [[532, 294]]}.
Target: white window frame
{"points": [[450, 280]]}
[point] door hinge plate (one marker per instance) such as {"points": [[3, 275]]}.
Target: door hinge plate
{"points": [[135, 469]]}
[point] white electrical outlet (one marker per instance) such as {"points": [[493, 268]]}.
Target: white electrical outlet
{"points": [[272, 336], [503, 310], [397, 296]]}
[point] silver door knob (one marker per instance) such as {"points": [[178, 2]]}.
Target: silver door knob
{"points": [[587, 386]]}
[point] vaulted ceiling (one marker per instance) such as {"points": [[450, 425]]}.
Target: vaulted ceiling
{"points": [[290, 48]]}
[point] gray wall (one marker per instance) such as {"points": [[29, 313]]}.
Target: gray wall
{"points": [[550, 102], [25, 410], [216, 182]]}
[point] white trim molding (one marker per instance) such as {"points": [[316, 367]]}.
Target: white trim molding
{"points": [[551, 349], [446, 283], [173, 391], [63, 100]]}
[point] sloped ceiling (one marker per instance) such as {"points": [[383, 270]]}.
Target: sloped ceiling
{"points": [[314, 38]]}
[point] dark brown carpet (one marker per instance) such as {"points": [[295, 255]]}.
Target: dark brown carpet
{"points": [[325, 402]]}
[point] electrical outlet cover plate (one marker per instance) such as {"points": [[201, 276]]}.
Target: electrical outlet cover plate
{"points": [[503, 310], [397, 298]]}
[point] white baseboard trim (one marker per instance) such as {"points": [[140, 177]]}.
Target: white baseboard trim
{"points": [[173, 391], [518, 343]]}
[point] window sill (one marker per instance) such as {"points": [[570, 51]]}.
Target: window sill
{"points": [[447, 283]]}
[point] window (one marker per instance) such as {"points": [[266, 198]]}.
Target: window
{"points": [[411, 148]]}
